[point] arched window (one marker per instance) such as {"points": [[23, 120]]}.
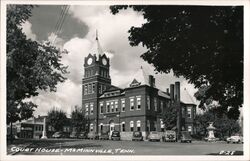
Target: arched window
{"points": [[131, 125], [138, 125]]}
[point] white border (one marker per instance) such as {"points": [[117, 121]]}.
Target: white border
{"points": [[246, 104]]}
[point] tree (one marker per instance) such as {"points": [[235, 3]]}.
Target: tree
{"points": [[57, 119], [31, 66], [170, 117], [78, 119], [204, 44], [224, 125]]}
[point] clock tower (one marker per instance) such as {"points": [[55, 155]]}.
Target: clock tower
{"points": [[96, 80]]}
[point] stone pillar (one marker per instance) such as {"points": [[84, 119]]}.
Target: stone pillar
{"points": [[44, 136]]}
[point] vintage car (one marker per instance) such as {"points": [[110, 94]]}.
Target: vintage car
{"points": [[169, 136], [82, 135], [104, 136], [73, 134], [92, 135], [154, 136], [186, 137], [115, 135], [235, 139], [60, 134], [137, 136]]}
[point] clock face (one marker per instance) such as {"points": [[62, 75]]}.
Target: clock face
{"points": [[104, 61], [89, 61]]}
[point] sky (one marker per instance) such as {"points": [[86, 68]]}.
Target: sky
{"points": [[77, 36]]}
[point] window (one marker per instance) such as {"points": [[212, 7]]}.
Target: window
{"points": [[91, 127], [189, 128], [131, 104], [108, 107], [101, 127], [148, 102], [123, 105], [85, 89], [100, 88], [90, 89], [162, 125], [101, 108], [155, 103], [138, 125], [189, 113], [86, 109], [161, 106], [112, 107], [138, 103], [123, 126], [116, 106], [91, 108], [93, 87], [131, 125]]}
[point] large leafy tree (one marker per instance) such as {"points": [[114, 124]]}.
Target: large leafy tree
{"points": [[31, 66], [170, 117], [78, 119], [224, 125], [57, 119], [204, 44]]}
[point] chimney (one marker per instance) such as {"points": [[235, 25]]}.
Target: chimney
{"points": [[172, 92], [151, 81], [177, 92], [167, 90]]}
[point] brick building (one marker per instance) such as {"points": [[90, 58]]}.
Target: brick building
{"points": [[138, 107]]}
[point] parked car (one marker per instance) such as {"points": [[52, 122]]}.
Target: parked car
{"points": [[186, 137], [73, 134], [154, 136], [235, 139], [137, 136], [60, 134], [82, 135], [170, 136], [115, 135], [104, 136], [92, 135]]}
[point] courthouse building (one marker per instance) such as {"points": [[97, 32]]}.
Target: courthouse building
{"points": [[137, 107]]}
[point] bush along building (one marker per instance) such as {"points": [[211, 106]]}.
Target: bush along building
{"points": [[138, 107]]}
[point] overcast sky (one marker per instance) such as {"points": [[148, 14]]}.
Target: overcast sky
{"points": [[78, 37]]}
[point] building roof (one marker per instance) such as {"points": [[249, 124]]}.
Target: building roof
{"points": [[186, 97], [163, 94], [112, 88], [139, 78]]}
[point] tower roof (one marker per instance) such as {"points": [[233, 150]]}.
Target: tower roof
{"points": [[96, 48]]}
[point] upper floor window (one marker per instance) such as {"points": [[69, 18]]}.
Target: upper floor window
{"points": [[91, 108], [116, 106], [123, 105], [112, 106], [86, 109], [93, 87], [189, 113], [101, 107], [108, 107], [90, 88], [148, 102], [85, 89], [155, 103], [132, 106], [138, 103], [161, 106]]}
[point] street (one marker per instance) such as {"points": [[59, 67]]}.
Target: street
{"points": [[108, 147]]}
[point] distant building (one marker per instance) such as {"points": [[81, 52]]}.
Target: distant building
{"points": [[33, 128], [138, 107]]}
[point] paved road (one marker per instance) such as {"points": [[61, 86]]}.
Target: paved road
{"points": [[107, 147]]}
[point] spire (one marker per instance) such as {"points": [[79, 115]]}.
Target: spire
{"points": [[99, 48]]}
